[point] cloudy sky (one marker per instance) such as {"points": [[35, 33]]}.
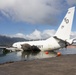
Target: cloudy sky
{"points": [[33, 19]]}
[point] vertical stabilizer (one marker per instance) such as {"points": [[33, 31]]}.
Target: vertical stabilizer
{"points": [[64, 30]]}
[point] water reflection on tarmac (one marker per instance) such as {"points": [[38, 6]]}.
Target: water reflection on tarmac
{"points": [[36, 55], [28, 55], [67, 51]]}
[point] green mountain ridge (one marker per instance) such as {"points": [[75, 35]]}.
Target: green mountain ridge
{"points": [[8, 41]]}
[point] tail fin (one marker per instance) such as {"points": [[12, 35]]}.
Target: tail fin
{"points": [[64, 30]]}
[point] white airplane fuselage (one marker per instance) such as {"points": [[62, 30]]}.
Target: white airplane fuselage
{"points": [[43, 45]]}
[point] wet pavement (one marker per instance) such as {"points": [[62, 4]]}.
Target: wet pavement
{"points": [[29, 55], [38, 63], [63, 65], [26, 55]]}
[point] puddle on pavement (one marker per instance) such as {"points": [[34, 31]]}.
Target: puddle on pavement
{"points": [[29, 55]]}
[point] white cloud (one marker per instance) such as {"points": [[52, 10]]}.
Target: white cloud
{"points": [[35, 35], [20, 35], [33, 11], [40, 35], [73, 34], [47, 33], [6, 4]]}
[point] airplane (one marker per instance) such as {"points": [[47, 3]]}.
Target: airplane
{"points": [[61, 39]]}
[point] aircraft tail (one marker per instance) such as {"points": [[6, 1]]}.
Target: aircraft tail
{"points": [[64, 30]]}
